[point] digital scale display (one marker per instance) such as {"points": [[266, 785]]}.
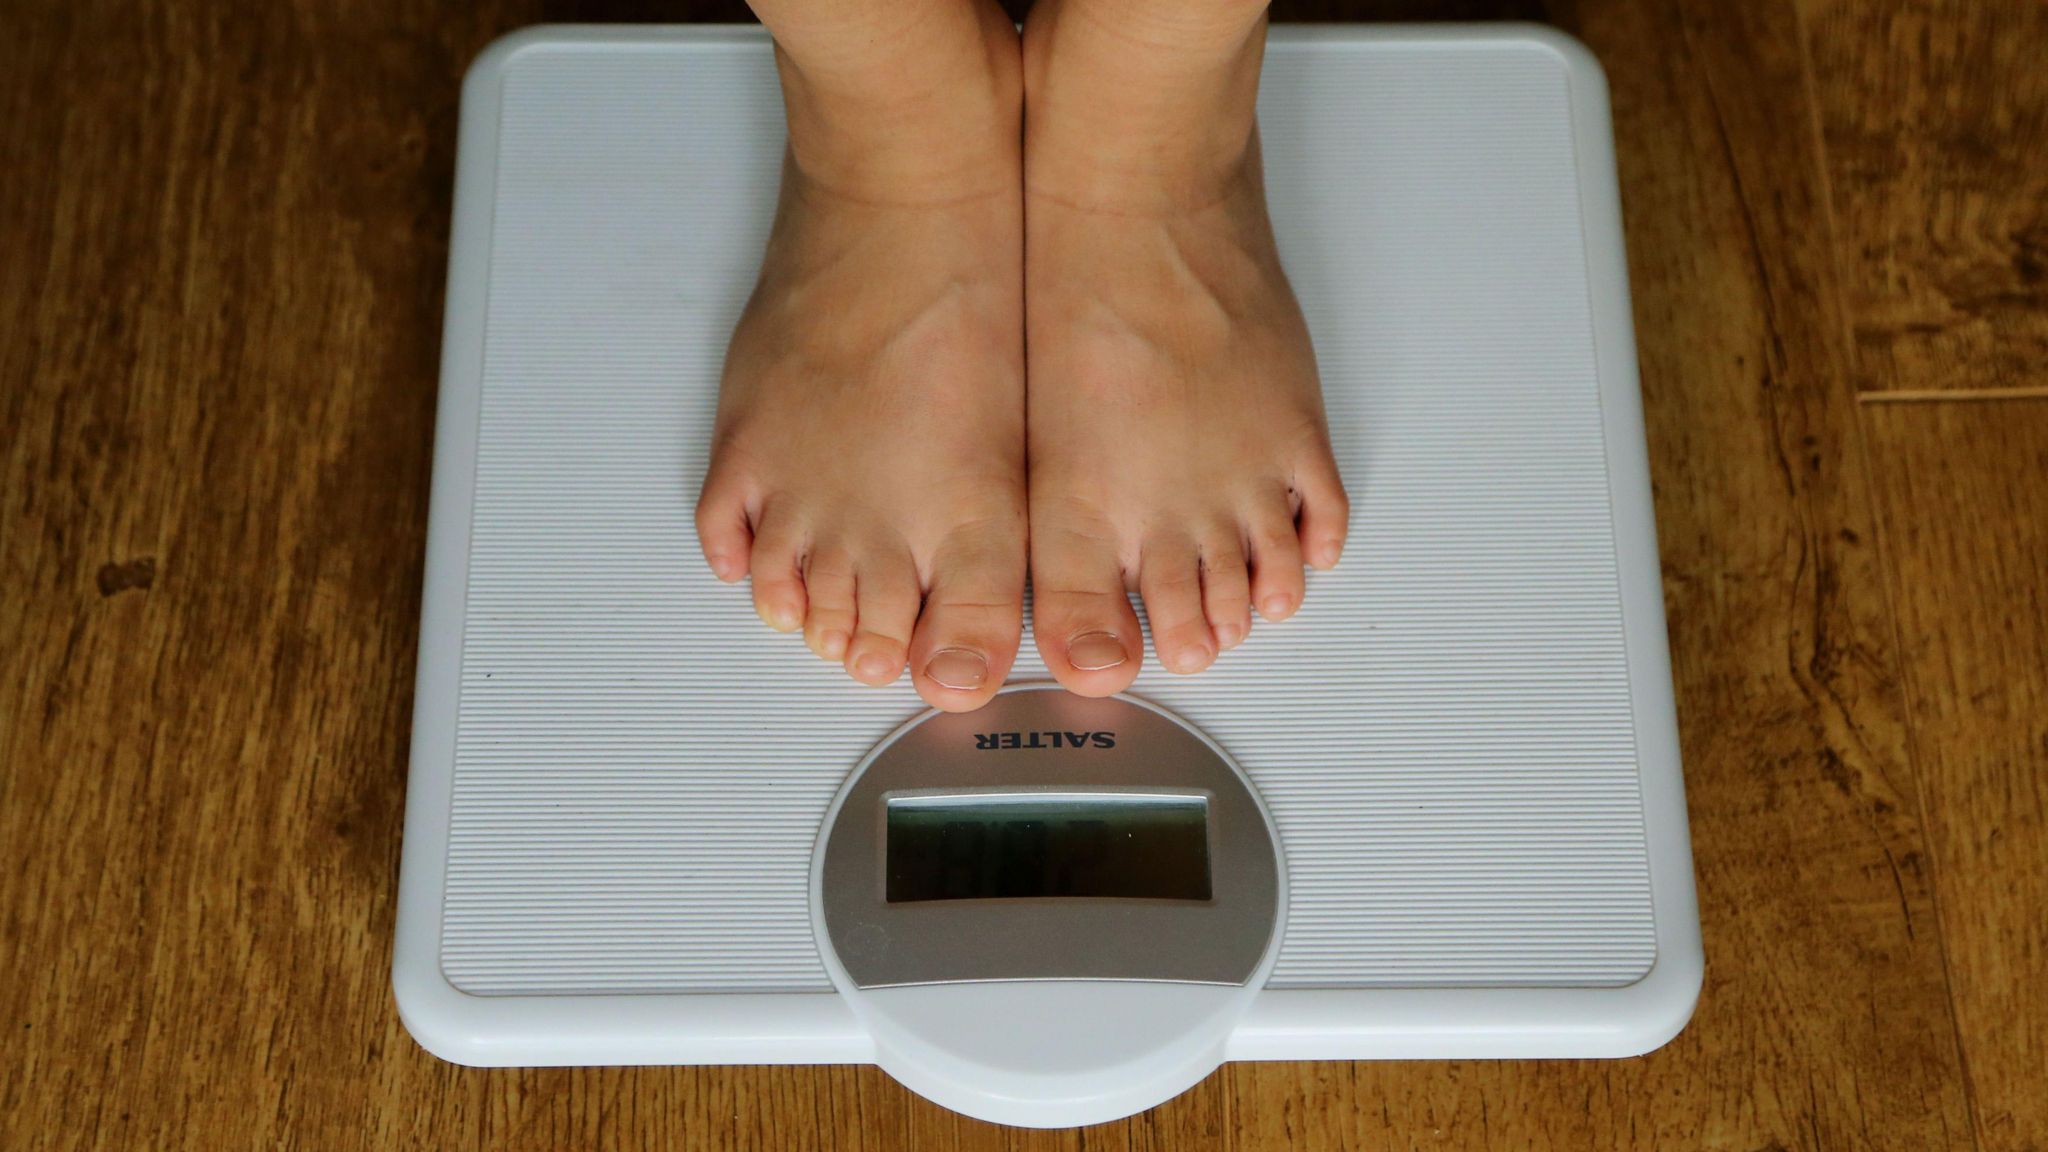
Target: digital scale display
{"points": [[982, 846]]}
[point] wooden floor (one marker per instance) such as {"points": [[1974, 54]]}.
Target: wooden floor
{"points": [[222, 241]]}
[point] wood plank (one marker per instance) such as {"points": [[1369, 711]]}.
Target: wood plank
{"points": [[218, 325], [1964, 492], [1935, 114]]}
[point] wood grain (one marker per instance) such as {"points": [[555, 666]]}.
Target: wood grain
{"points": [[222, 240], [1973, 621], [1935, 116], [1936, 119]]}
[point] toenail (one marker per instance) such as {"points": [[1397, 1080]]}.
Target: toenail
{"points": [[875, 666], [1276, 606], [1230, 635], [957, 668], [834, 645], [723, 567], [1189, 660], [1094, 651], [780, 618], [1327, 553]]}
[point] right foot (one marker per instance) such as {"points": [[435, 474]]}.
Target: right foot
{"points": [[868, 469]]}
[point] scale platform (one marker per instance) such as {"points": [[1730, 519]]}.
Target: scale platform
{"points": [[1438, 813]]}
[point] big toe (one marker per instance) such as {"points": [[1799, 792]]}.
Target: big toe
{"points": [[973, 617], [1087, 632]]}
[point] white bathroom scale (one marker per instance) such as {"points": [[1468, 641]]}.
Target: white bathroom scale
{"points": [[1438, 813]]}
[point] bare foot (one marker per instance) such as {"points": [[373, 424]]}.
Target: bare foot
{"points": [[1177, 440], [868, 473]]}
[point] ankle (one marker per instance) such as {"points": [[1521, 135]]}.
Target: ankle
{"points": [[1186, 32], [1144, 105], [906, 111]]}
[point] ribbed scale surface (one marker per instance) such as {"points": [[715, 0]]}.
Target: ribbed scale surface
{"points": [[1443, 734]]}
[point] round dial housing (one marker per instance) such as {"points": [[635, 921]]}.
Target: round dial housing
{"points": [[1050, 911]]}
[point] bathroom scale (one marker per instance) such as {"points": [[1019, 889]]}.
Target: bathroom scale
{"points": [[1438, 813]]}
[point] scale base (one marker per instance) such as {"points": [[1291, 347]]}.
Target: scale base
{"points": [[1466, 739]]}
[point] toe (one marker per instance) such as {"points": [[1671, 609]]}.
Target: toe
{"points": [[1227, 590], [973, 617], [1170, 579], [885, 600], [1325, 510], [1276, 562], [828, 585], [722, 528], [775, 565], [1087, 632]]}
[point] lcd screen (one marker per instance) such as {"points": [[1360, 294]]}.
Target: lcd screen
{"points": [[994, 845]]}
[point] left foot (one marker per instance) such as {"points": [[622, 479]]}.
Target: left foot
{"points": [[1177, 441]]}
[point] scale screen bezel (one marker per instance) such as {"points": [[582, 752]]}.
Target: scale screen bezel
{"points": [[1220, 940]]}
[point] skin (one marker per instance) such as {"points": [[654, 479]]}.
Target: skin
{"points": [[879, 473], [868, 474], [1177, 440]]}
